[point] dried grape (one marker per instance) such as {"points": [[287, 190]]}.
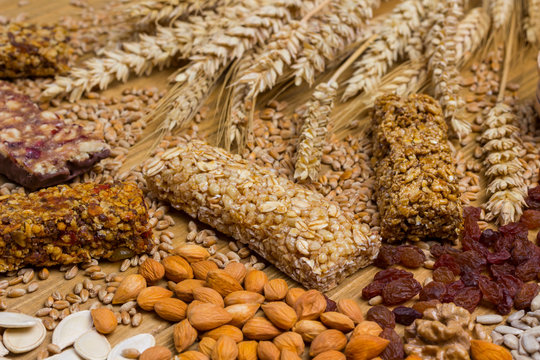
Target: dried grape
{"points": [[421, 306], [405, 315], [382, 316], [511, 283], [471, 230], [392, 274], [490, 290], [451, 290], [525, 295], [394, 350], [330, 304], [373, 289], [528, 270], [433, 290], [533, 198], [489, 237], [505, 305], [388, 255], [498, 257], [471, 260], [448, 261], [468, 298], [531, 219], [411, 256], [400, 290], [443, 275]]}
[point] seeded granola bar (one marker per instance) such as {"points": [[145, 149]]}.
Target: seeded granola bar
{"points": [[33, 50], [66, 225], [37, 148], [296, 229], [416, 184]]}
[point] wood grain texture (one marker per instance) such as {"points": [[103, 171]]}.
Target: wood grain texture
{"points": [[43, 11]]}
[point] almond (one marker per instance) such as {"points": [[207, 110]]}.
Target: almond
{"points": [[275, 289], [192, 253], [310, 305], [171, 309], [309, 329], [255, 281], [267, 351], [222, 282], [156, 353], [339, 321], [201, 268], [193, 304], [184, 335], [483, 350], [152, 270], [247, 350], [225, 349], [129, 289], [236, 270], [243, 297], [327, 340], [151, 295], [104, 320], [292, 295], [287, 354], [208, 295], [291, 341], [367, 328], [208, 316], [331, 355], [241, 313], [206, 345], [280, 314], [184, 289], [192, 355], [350, 308], [365, 347], [225, 330], [177, 268], [260, 329], [413, 357]]}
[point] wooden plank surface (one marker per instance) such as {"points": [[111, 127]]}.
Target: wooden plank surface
{"points": [[44, 11]]}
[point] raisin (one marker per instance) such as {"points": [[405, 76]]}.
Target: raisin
{"points": [[489, 237], [511, 283], [400, 290], [470, 278], [405, 315], [528, 270], [373, 289], [505, 304], [394, 350], [330, 304], [533, 198], [391, 274], [433, 290], [515, 230], [471, 260], [437, 250], [498, 257], [471, 230], [502, 269], [470, 244], [522, 251], [448, 261], [451, 290], [531, 219], [468, 298], [491, 291], [382, 316], [421, 306], [412, 257], [388, 256], [443, 274], [525, 295]]}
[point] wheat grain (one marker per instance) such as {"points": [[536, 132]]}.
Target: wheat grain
{"points": [[166, 11], [501, 12], [532, 21], [471, 32], [501, 146]]}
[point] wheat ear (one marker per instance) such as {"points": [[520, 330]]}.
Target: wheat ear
{"points": [[471, 32], [532, 22], [165, 12], [501, 12]]}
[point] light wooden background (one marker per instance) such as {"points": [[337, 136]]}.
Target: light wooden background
{"points": [[43, 11]]}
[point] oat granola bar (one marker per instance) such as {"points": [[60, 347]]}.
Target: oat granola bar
{"points": [[66, 225], [416, 184], [37, 148], [296, 229], [33, 50]]}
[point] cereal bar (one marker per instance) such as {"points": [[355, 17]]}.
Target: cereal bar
{"points": [[296, 229], [37, 148], [66, 225], [416, 184], [33, 50]]}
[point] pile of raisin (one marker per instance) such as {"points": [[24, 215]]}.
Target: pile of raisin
{"points": [[407, 255], [394, 285]]}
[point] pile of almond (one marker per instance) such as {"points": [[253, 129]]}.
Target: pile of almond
{"points": [[234, 313]]}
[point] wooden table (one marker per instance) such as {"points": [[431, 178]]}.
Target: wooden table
{"points": [[47, 11]]}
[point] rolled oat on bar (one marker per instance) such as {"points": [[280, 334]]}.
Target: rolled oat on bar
{"points": [[416, 184], [295, 229], [67, 225]]}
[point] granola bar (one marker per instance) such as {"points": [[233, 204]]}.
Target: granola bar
{"points": [[66, 225], [37, 148], [416, 184], [33, 50], [296, 229]]}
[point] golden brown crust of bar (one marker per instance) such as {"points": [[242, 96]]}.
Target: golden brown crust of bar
{"points": [[416, 183], [64, 225]]}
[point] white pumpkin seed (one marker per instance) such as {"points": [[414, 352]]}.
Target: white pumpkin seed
{"points": [[3, 350], [16, 320], [489, 319], [92, 346], [69, 354], [69, 329], [140, 342], [21, 340]]}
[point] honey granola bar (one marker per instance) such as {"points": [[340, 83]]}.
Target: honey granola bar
{"points": [[37, 148], [295, 229], [416, 184], [66, 225], [32, 50]]}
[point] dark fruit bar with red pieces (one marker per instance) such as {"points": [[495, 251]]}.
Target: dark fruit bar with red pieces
{"points": [[416, 184], [37, 148], [67, 225]]}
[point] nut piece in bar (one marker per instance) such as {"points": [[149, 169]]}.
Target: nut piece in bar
{"points": [[33, 50], [66, 225], [37, 148], [297, 230], [416, 184]]}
